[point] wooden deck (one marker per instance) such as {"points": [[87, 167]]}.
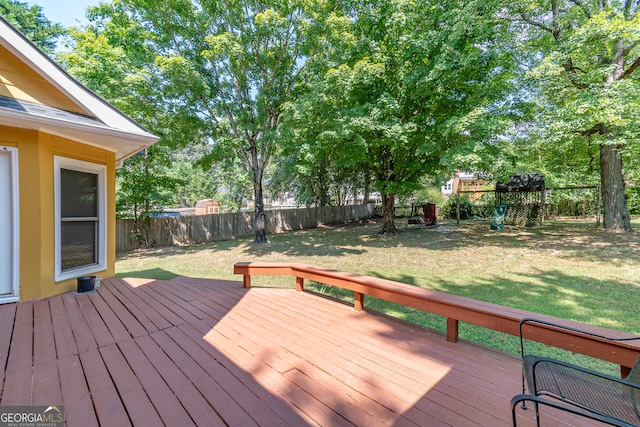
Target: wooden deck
{"points": [[205, 352]]}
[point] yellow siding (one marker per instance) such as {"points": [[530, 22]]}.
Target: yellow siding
{"points": [[19, 81], [30, 209], [37, 228]]}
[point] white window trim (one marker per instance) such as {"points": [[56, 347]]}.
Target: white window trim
{"points": [[15, 212], [94, 168]]}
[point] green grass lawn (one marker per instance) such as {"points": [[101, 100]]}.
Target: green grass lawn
{"points": [[567, 268]]}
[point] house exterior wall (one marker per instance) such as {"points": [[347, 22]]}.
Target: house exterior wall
{"points": [[19, 81], [464, 181], [36, 151]]}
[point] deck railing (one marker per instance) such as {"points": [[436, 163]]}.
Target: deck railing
{"points": [[455, 309]]}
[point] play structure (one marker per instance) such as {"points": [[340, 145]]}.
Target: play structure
{"points": [[498, 217], [523, 198], [428, 217]]}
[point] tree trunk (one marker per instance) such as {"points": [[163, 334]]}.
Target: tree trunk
{"points": [[616, 216], [261, 232], [367, 189], [388, 214], [258, 197]]}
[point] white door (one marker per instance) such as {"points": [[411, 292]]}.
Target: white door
{"points": [[8, 224]]}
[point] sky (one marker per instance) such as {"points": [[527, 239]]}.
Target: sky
{"points": [[69, 13]]}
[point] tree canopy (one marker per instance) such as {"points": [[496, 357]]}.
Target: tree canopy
{"points": [[216, 72], [403, 88], [346, 97], [586, 73], [32, 22]]}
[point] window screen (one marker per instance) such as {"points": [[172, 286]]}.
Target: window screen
{"points": [[79, 218]]}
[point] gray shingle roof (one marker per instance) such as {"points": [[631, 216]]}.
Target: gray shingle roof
{"points": [[46, 111]]}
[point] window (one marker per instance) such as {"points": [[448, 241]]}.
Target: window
{"points": [[80, 211]]}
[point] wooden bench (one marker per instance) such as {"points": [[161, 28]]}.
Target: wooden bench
{"points": [[455, 309]]}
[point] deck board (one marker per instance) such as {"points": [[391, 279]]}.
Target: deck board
{"points": [[186, 393], [134, 324], [135, 399], [21, 348], [193, 351], [77, 401], [112, 321], [17, 387], [108, 406], [93, 320], [7, 318], [44, 345], [63, 335], [219, 398], [82, 333], [46, 391], [144, 311], [169, 409]]}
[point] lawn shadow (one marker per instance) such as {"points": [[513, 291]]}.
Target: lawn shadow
{"points": [[304, 243], [151, 273], [556, 293], [402, 278], [608, 303]]}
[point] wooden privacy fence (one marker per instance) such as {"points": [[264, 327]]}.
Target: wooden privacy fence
{"points": [[189, 230]]}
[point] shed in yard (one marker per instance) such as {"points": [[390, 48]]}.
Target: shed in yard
{"points": [[207, 207], [60, 145]]}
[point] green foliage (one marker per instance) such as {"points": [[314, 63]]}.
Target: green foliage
{"points": [[233, 184], [583, 60], [143, 189], [429, 194], [31, 22], [211, 72], [351, 97], [401, 91], [633, 202], [193, 184]]}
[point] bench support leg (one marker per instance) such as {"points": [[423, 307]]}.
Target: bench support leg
{"points": [[246, 280], [299, 284], [624, 371], [358, 301], [452, 330]]}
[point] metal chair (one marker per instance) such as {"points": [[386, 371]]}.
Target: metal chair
{"points": [[578, 390]]}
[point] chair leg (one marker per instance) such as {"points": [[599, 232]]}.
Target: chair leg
{"points": [[524, 405], [520, 404]]}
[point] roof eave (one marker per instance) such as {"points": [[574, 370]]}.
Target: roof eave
{"points": [[48, 69], [123, 143]]}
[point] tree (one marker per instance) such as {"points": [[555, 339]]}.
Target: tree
{"points": [[32, 23], [409, 83], [314, 164], [589, 83], [144, 189], [224, 70], [119, 75]]}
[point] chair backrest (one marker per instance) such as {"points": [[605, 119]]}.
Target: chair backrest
{"points": [[634, 374], [634, 377]]}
